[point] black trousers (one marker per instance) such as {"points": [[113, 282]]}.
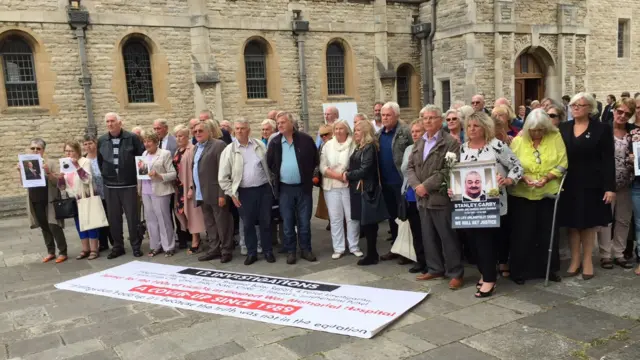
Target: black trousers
{"points": [[104, 236], [256, 207], [484, 244], [52, 233], [119, 200], [503, 240], [416, 230], [184, 237], [530, 239], [371, 234], [391, 194]]}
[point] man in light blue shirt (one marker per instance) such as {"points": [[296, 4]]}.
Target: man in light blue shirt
{"points": [[196, 179], [289, 170]]}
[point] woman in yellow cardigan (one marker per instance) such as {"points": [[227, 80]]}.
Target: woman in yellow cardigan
{"points": [[544, 158]]}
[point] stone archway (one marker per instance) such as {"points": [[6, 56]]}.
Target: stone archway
{"points": [[535, 75]]}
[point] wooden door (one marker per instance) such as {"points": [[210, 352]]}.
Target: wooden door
{"points": [[519, 89]]}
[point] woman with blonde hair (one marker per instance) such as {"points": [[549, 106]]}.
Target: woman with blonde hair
{"points": [[190, 217], [78, 184], [503, 116], [589, 190], [334, 161], [363, 176]]}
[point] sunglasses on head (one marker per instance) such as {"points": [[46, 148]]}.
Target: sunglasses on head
{"points": [[622, 112]]}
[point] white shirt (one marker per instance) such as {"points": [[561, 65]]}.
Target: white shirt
{"points": [[375, 126]]}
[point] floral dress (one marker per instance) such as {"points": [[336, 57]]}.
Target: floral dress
{"points": [[178, 184], [508, 164], [624, 170]]}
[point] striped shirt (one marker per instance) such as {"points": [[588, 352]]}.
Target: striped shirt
{"points": [[116, 151]]}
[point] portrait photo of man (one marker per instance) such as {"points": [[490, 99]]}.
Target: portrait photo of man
{"points": [[143, 169], [31, 170], [473, 187]]}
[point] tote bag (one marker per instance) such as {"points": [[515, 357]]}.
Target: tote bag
{"points": [[403, 245], [91, 214]]}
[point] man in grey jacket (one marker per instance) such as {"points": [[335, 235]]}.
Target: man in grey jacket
{"points": [[394, 138]]}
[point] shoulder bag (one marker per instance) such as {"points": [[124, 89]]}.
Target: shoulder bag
{"points": [[374, 209], [65, 208], [91, 214]]}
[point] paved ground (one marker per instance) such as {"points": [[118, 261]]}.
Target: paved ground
{"points": [[575, 319]]}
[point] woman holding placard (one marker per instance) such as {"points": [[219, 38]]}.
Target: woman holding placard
{"points": [[589, 189], [77, 183], [483, 146], [544, 158], [156, 196]]}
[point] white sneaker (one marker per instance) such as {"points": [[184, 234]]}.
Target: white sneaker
{"points": [[243, 250], [259, 249], [336, 256], [358, 253]]}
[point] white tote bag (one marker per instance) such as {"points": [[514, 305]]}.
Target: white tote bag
{"points": [[403, 245], [91, 214]]}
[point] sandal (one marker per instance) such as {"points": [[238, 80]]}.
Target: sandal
{"points": [[193, 249], [93, 255], [169, 253], [153, 253], [83, 255], [48, 258], [623, 263], [606, 264]]}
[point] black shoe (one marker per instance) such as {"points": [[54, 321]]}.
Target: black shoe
{"points": [[404, 261], [182, 245], [291, 258], [480, 294], [389, 256], [250, 259], [361, 235], [226, 258], [283, 250], [328, 228], [115, 253], [367, 260], [137, 253], [308, 255], [270, 257], [518, 281], [208, 257], [416, 269], [555, 277], [103, 248]]}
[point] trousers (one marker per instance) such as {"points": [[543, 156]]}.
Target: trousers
{"points": [[119, 200]]}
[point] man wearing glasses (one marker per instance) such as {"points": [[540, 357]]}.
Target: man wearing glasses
{"points": [[477, 103]]}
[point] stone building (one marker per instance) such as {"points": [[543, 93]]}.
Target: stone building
{"points": [[149, 59]]}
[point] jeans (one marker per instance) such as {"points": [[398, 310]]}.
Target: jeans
{"points": [[635, 197], [256, 207], [296, 205]]}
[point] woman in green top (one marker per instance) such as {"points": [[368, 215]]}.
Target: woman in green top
{"points": [[544, 157]]}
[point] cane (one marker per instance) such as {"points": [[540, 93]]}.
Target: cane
{"points": [[553, 227]]}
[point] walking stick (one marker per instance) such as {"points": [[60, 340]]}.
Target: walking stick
{"points": [[553, 228]]}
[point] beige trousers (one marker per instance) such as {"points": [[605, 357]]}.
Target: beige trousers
{"points": [[612, 245]]}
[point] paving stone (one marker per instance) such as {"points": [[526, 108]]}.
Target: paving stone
{"points": [[269, 352], [115, 339], [270, 337], [404, 320], [433, 306], [62, 325], [574, 287], [107, 354], [338, 275], [621, 302], [105, 327], [216, 352], [29, 317], [175, 324], [517, 305], [13, 336], [484, 316], [408, 340], [395, 284], [315, 342], [440, 331], [34, 345], [83, 307], [544, 299], [578, 322], [387, 269], [65, 352], [111, 314], [6, 323], [453, 351], [626, 353], [163, 313], [381, 349], [517, 342], [31, 291], [463, 297]]}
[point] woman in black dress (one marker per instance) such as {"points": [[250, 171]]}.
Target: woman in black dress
{"points": [[585, 204], [363, 176]]}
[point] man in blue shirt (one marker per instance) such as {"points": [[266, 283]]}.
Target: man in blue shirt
{"points": [[394, 138]]}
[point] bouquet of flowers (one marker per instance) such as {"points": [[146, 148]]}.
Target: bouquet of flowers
{"points": [[450, 159]]}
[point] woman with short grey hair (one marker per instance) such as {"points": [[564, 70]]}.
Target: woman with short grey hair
{"points": [[453, 119]]}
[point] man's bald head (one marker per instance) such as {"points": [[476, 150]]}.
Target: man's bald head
{"points": [[477, 102], [272, 114], [331, 114], [502, 101]]}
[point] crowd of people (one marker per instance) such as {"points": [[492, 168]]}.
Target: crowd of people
{"points": [[214, 178]]}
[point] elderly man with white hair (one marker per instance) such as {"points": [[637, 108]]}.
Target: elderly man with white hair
{"points": [[394, 138], [331, 114], [477, 102], [118, 149]]}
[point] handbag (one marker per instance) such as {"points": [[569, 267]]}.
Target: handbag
{"points": [[402, 208], [91, 214], [403, 245], [374, 210], [141, 229], [65, 208]]}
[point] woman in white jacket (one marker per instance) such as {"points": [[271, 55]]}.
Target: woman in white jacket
{"points": [[77, 185], [334, 161]]}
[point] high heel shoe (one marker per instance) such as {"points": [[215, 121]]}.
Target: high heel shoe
{"points": [[587, 277], [480, 294], [574, 273]]}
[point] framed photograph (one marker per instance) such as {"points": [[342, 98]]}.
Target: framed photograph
{"points": [[636, 159], [476, 196], [66, 166], [32, 170], [142, 168]]}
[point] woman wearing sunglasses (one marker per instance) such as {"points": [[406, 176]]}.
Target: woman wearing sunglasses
{"points": [[543, 156], [556, 113]]}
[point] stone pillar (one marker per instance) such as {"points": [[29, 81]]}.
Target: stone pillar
{"points": [[381, 47], [565, 68]]}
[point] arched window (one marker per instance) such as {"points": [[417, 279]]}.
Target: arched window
{"points": [[255, 63], [335, 69], [403, 79], [19, 72], [137, 69]]}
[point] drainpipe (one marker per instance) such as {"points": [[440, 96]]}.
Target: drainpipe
{"points": [[430, 48], [299, 27], [78, 20], [426, 32]]}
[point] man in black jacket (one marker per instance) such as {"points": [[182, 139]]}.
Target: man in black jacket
{"points": [[118, 149], [292, 157]]}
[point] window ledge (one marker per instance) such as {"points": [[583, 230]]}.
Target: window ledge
{"points": [[340, 97], [260, 102], [24, 110], [152, 105]]}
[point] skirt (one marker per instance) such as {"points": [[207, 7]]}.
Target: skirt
{"points": [[581, 208]]}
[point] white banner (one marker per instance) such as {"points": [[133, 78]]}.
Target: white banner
{"points": [[342, 309]]}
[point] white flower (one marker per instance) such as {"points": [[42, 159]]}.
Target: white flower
{"points": [[450, 157]]}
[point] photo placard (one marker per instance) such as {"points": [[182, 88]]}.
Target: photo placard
{"points": [[32, 170], [476, 196]]}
